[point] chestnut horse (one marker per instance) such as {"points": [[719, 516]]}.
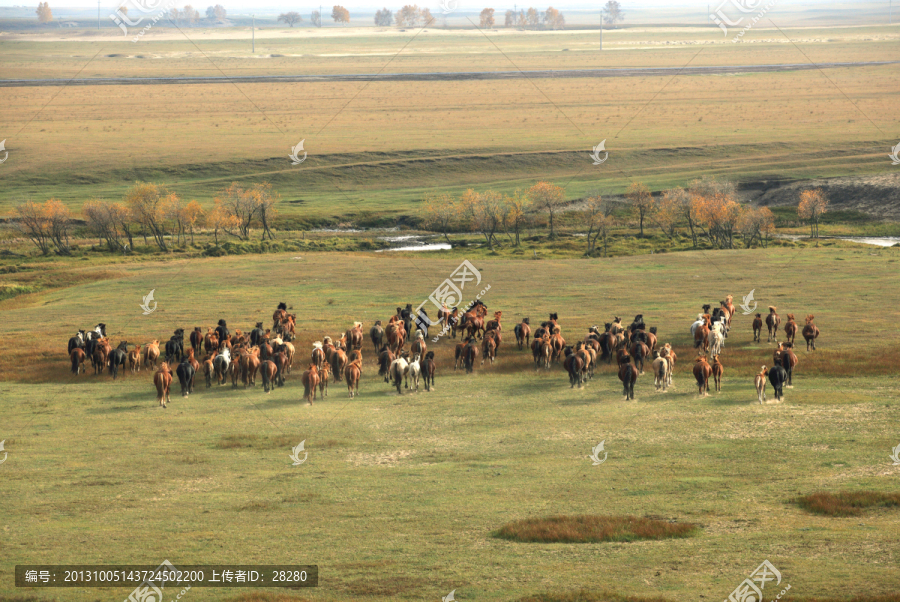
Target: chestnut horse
{"points": [[354, 336], [310, 381], [700, 330], [134, 359], [269, 371], [718, 370], [791, 329], [323, 381], [77, 356], [163, 381], [385, 359], [196, 339], [772, 322], [810, 332], [702, 372], [352, 372]]}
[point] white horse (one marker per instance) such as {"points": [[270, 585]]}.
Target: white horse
{"points": [[700, 322], [716, 339], [399, 369], [222, 363], [414, 371]]}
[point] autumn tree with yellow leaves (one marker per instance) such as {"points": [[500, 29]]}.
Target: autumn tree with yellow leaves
{"points": [[46, 225], [813, 203], [547, 197]]}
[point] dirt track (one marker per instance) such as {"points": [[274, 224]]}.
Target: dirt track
{"points": [[436, 76]]}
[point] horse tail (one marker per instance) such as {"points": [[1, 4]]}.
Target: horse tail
{"points": [[74, 357]]}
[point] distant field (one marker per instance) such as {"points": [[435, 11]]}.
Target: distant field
{"points": [[380, 147], [400, 494]]}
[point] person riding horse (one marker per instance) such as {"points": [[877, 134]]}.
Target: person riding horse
{"points": [[222, 331]]}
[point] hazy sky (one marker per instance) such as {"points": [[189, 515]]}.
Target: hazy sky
{"points": [[305, 6]]}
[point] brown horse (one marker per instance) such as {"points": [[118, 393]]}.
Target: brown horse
{"points": [[718, 370], [639, 352], [134, 360], [757, 328], [210, 341], [354, 336], [443, 315], [338, 363], [701, 334], [310, 381], [729, 305], [101, 355], [396, 335], [385, 359], [279, 316], [353, 371], [810, 332], [772, 322], [628, 375], [208, 368], [196, 339], [791, 329], [252, 366], [488, 347], [558, 343], [788, 361], [418, 347], [660, 371], [323, 381], [702, 372], [163, 381], [318, 356], [78, 356], [428, 370], [269, 372]]}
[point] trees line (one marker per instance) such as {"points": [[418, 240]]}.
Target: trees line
{"points": [[152, 212], [707, 209]]}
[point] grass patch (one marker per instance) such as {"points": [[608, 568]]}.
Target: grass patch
{"points": [[585, 595], [591, 529], [860, 598], [266, 597], [847, 503], [255, 441]]}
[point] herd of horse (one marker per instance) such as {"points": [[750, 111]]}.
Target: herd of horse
{"points": [[269, 353]]}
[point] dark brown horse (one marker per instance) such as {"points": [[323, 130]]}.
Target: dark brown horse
{"points": [[354, 336], [269, 371], [77, 357], [718, 370], [628, 375], [788, 361], [757, 328], [428, 370], [196, 339], [810, 332], [702, 372], [385, 359]]}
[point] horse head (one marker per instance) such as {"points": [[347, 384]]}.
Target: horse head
{"points": [[810, 318]]}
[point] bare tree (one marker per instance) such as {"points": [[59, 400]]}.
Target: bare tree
{"points": [[290, 18], [641, 201], [613, 13], [384, 17], [598, 222], [316, 18]]}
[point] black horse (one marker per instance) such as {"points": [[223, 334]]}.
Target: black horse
{"points": [[77, 341], [175, 346], [117, 358], [185, 372], [637, 324], [778, 376]]}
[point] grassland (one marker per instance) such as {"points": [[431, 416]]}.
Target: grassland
{"points": [[400, 495], [378, 148]]}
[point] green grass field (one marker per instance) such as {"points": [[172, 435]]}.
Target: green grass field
{"points": [[400, 495]]}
